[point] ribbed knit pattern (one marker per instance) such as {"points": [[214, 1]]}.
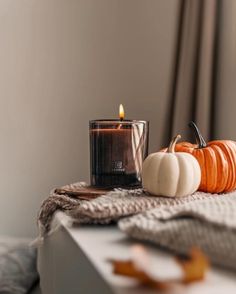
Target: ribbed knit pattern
{"points": [[209, 223], [110, 207], [201, 219]]}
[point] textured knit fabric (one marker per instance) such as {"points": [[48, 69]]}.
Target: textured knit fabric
{"points": [[201, 219], [110, 207], [209, 224], [54, 203], [18, 271]]}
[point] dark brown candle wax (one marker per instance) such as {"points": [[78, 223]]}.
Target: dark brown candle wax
{"points": [[116, 154]]}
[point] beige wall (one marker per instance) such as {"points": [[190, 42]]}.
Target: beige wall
{"points": [[63, 62]]}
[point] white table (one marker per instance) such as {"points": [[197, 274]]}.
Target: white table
{"points": [[74, 260]]}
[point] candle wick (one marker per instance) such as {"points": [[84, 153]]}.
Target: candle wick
{"points": [[120, 125]]}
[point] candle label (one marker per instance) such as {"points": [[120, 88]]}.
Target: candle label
{"points": [[117, 166]]}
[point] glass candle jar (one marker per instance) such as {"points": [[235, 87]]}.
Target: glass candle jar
{"points": [[117, 151]]}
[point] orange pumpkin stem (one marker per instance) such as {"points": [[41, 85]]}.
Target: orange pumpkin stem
{"points": [[171, 148], [199, 138]]}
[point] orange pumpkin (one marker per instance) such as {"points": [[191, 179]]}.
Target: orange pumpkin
{"points": [[217, 160]]}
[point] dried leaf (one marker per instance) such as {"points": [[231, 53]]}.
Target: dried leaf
{"points": [[194, 268], [82, 193], [127, 268]]}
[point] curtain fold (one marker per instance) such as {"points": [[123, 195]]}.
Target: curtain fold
{"points": [[193, 86]]}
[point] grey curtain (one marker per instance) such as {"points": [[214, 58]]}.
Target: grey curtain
{"points": [[193, 94], [225, 100]]}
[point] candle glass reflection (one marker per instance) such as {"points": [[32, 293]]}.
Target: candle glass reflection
{"points": [[117, 151]]}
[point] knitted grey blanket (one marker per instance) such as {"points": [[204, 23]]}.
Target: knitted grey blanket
{"points": [[110, 207], [201, 219], [209, 224], [103, 210]]}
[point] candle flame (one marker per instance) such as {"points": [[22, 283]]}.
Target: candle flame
{"points": [[121, 112]]}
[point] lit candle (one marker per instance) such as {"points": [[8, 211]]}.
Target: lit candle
{"points": [[117, 150]]}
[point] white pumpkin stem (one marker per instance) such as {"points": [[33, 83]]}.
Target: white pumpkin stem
{"points": [[171, 148]]}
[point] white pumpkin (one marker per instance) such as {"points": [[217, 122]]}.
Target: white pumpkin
{"points": [[171, 174]]}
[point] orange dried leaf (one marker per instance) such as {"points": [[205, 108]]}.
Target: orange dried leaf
{"points": [[128, 269], [195, 267]]}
